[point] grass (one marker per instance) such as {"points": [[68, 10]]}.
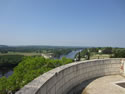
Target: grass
{"points": [[21, 53], [100, 56]]}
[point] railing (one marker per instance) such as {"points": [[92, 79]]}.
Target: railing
{"points": [[62, 79]]}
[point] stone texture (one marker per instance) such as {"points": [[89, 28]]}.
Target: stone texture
{"points": [[63, 79], [105, 85]]}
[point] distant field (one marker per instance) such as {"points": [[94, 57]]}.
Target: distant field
{"points": [[98, 56], [21, 53]]}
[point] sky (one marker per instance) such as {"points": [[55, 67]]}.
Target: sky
{"points": [[62, 22]]}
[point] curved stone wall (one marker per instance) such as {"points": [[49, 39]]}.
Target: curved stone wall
{"points": [[62, 79]]}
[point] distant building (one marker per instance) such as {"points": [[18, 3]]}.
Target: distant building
{"points": [[99, 51], [47, 55]]}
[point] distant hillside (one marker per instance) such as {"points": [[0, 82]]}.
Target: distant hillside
{"points": [[3, 46]]}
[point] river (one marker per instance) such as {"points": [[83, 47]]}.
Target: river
{"points": [[6, 72], [9, 71], [70, 55]]}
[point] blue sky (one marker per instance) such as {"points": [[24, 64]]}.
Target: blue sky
{"points": [[63, 22]]}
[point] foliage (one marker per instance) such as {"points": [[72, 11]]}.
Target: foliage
{"points": [[78, 56], [57, 51], [107, 50], [28, 69], [3, 85], [65, 60], [10, 60], [84, 54], [114, 52], [119, 53], [94, 49]]}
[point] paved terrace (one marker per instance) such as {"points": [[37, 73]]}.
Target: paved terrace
{"points": [[106, 85]]}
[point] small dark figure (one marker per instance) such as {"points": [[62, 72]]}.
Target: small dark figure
{"points": [[79, 57]]}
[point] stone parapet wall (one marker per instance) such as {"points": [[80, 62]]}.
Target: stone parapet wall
{"points": [[62, 79]]}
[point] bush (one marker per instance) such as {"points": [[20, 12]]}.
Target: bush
{"points": [[119, 53]]}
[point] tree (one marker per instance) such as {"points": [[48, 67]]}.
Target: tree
{"points": [[107, 50], [10, 60], [85, 54], [66, 60], [28, 69], [119, 53], [3, 85]]}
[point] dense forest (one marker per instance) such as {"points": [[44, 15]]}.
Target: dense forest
{"points": [[10, 60], [28, 69]]}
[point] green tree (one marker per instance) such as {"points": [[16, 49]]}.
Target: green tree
{"points": [[27, 70], [66, 60], [107, 50], [3, 85], [119, 53]]}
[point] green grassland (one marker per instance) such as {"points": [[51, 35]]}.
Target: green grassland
{"points": [[22, 53], [100, 56]]}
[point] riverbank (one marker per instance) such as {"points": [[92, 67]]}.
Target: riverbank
{"points": [[6, 71], [70, 55]]}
